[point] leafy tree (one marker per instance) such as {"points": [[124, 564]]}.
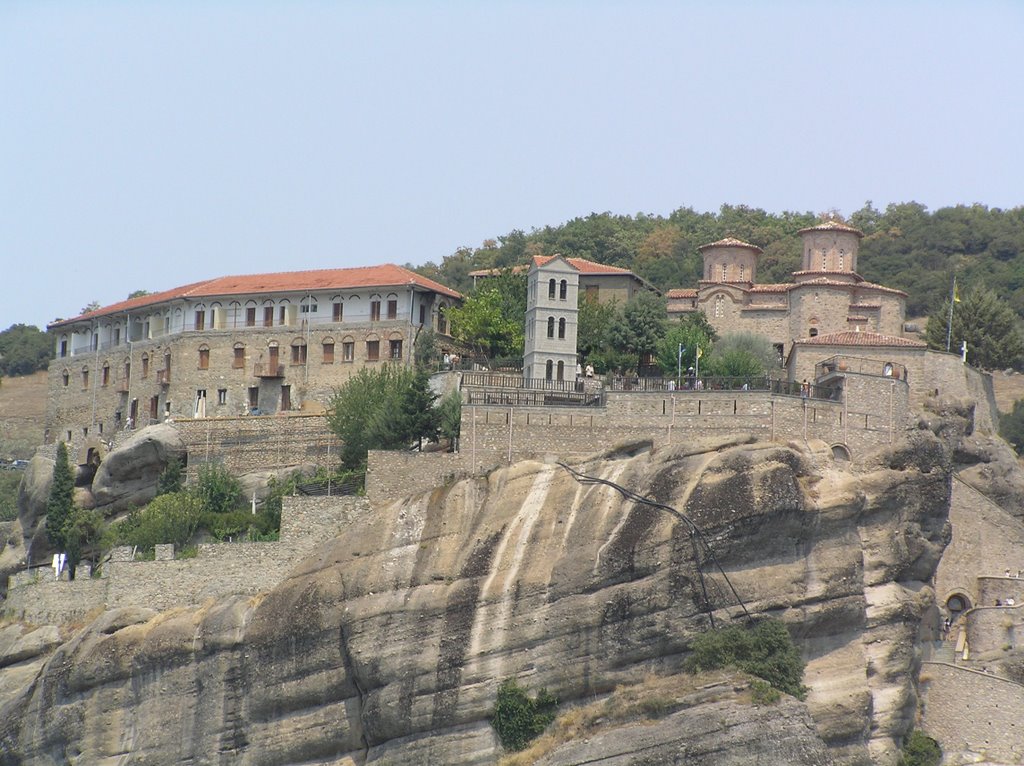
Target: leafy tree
{"points": [[379, 409], [9, 483], [90, 306], [450, 417], [765, 650], [689, 332], [640, 327], [61, 501], [741, 354], [491, 320], [988, 324], [425, 351], [217, 490], [172, 518], [517, 719], [24, 349], [138, 294], [83, 533], [593, 329], [920, 750], [1011, 426], [171, 479]]}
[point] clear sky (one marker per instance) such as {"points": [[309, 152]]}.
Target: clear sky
{"points": [[145, 145]]}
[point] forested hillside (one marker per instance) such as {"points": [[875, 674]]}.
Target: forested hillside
{"points": [[905, 246]]}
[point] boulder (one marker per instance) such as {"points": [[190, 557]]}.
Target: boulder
{"points": [[258, 482], [12, 551], [33, 492], [127, 478]]}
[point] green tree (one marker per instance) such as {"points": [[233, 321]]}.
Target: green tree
{"points": [[61, 501], [741, 354], [171, 479], [24, 349], [640, 326], [424, 347], [389, 407], [920, 750], [83, 532], [593, 329], [690, 331], [989, 326], [450, 418], [9, 483], [1011, 426], [217, 490], [138, 294], [172, 518], [765, 650], [491, 320], [517, 719], [90, 306]]}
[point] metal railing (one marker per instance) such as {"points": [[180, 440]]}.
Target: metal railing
{"points": [[706, 383], [499, 380], [534, 398], [860, 365]]}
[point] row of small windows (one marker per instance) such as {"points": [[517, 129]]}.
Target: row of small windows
{"points": [[840, 259], [723, 274], [551, 370], [394, 351], [562, 288], [561, 327]]}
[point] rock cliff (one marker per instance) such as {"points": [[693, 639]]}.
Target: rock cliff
{"points": [[386, 646]]}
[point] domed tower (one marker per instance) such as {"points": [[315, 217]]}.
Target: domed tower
{"points": [[730, 260], [830, 249]]}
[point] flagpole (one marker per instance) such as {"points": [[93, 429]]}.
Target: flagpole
{"points": [[949, 322]]}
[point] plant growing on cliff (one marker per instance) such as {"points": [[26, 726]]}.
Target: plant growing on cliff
{"points": [[171, 479], [517, 719], [83, 533], [764, 650], [61, 501], [920, 750], [218, 490], [171, 518]]}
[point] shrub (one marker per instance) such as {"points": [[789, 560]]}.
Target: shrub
{"points": [[171, 478], [60, 503], [518, 719], [763, 693], [765, 650], [218, 490], [920, 750], [9, 481], [170, 518]]}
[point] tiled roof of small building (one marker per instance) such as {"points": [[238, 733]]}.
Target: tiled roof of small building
{"points": [[852, 338], [780, 288], [731, 242], [825, 281], [832, 226], [681, 292], [584, 266], [386, 275]]}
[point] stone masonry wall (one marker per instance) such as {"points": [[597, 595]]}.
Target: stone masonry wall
{"points": [[257, 442], [393, 475], [971, 712], [218, 570], [995, 628]]}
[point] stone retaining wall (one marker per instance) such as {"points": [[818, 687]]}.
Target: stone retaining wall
{"points": [[219, 569], [972, 714]]}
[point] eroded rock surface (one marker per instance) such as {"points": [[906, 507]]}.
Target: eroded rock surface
{"points": [[127, 477], [386, 646]]}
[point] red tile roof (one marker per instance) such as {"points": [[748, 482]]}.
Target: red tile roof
{"points": [[851, 338], [832, 226], [387, 275], [681, 292], [584, 266], [731, 242], [836, 283]]}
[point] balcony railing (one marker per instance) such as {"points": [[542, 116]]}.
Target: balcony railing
{"points": [[840, 364], [261, 370], [121, 386]]}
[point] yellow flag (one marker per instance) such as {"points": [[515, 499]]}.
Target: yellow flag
{"points": [[956, 293], [699, 353]]}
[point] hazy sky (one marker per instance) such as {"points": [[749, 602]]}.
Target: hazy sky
{"points": [[150, 144]]}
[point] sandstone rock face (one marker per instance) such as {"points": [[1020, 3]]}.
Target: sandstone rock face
{"points": [[387, 645], [127, 477], [33, 492], [12, 551], [258, 482]]}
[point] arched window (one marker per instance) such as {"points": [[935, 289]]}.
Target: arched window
{"points": [[328, 350], [105, 379], [204, 357], [724, 272], [548, 369], [551, 327], [561, 330], [145, 365], [563, 289], [238, 358], [814, 332], [299, 351], [841, 258], [85, 377], [887, 369], [551, 288], [824, 259], [719, 306], [66, 377], [561, 370], [742, 270]]}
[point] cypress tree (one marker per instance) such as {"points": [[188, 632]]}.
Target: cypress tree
{"points": [[60, 504]]}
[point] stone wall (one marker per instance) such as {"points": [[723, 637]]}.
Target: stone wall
{"points": [[985, 539], [995, 628], [221, 569], [972, 714], [495, 434], [258, 442], [393, 475]]}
